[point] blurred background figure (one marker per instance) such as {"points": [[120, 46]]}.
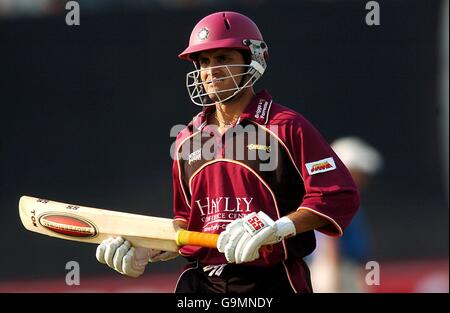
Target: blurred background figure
{"points": [[16, 8], [338, 264]]}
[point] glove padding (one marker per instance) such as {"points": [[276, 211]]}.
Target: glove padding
{"points": [[118, 254], [242, 238]]}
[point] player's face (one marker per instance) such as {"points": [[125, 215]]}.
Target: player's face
{"points": [[214, 72]]}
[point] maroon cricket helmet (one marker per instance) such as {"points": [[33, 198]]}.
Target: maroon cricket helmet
{"points": [[223, 30]]}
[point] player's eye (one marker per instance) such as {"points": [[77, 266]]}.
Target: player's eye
{"points": [[203, 62], [223, 58]]}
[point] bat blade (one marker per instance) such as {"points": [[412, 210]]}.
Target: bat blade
{"points": [[93, 225]]}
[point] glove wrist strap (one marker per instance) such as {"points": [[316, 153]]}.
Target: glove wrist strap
{"points": [[285, 227]]}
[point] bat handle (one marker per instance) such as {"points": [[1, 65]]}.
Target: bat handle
{"points": [[194, 238]]}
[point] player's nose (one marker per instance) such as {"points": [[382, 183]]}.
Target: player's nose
{"points": [[212, 72], [214, 68]]}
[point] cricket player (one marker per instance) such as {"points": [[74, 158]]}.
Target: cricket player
{"points": [[247, 168]]}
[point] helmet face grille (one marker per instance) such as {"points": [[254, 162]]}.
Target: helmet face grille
{"points": [[201, 97]]}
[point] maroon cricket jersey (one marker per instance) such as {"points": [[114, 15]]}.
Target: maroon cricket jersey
{"points": [[271, 160]]}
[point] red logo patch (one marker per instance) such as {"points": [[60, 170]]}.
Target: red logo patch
{"points": [[256, 223], [68, 225], [321, 166]]}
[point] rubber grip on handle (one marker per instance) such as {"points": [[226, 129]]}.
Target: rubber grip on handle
{"points": [[206, 240], [193, 238]]}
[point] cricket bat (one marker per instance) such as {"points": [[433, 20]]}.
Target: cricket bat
{"points": [[93, 225]]}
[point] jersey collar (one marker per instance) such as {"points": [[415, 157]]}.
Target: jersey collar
{"points": [[258, 110]]}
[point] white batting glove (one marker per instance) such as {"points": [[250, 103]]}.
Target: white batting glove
{"points": [[118, 254], [242, 238]]}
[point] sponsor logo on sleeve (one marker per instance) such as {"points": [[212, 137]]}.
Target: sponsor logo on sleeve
{"points": [[320, 166]]}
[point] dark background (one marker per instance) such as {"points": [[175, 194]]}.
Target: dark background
{"points": [[86, 113]]}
